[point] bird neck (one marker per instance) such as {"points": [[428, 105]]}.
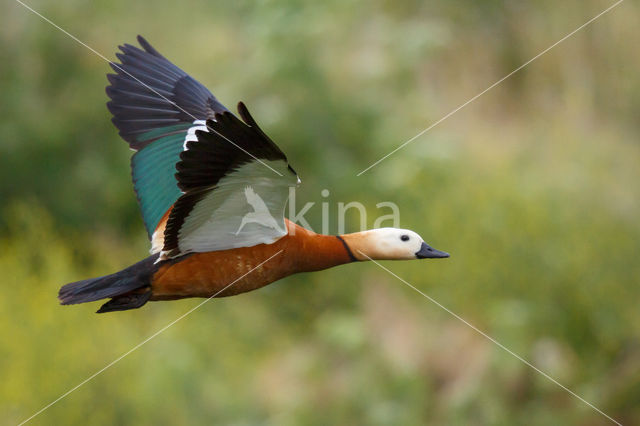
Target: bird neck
{"points": [[360, 245], [314, 252]]}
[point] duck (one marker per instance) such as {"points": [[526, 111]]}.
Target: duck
{"points": [[212, 189]]}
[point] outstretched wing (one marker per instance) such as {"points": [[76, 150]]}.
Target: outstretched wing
{"points": [[157, 108], [213, 173]]}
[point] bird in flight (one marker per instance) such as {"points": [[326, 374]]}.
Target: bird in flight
{"points": [[196, 169]]}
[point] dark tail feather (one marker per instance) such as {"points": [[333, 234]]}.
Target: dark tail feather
{"points": [[135, 277], [126, 301], [96, 289]]}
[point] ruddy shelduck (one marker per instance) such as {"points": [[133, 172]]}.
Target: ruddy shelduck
{"points": [[212, 188]]}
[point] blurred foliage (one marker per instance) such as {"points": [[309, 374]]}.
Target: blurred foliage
{"points": [[533, 188]]}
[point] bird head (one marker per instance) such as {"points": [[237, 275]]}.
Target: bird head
{"points": [[390, 244]]}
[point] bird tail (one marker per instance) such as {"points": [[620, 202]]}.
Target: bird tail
{"points": [[129, 288]]}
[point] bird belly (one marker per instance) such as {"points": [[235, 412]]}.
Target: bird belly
{"points": [[219, 273]]}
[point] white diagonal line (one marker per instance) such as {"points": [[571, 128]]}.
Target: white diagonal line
{"points": [[145, 85], [431, 299], [144, 341], [492, 86]]}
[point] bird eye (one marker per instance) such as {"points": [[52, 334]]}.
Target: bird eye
{"points": [[404, 238]]}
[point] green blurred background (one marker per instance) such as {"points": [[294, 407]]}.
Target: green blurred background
{"points": [[533, 188]]}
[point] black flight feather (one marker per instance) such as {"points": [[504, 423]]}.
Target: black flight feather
{"points": [[149, 92]]}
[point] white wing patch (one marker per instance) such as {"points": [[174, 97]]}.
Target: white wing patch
{"points": [[260, 214], [245, 209], [157, 239], [191, 133]]}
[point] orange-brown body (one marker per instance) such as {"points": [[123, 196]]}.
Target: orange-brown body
{"points": [[205, 274]]}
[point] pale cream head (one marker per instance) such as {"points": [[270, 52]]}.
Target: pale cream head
{"points": [[390, 244]]}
